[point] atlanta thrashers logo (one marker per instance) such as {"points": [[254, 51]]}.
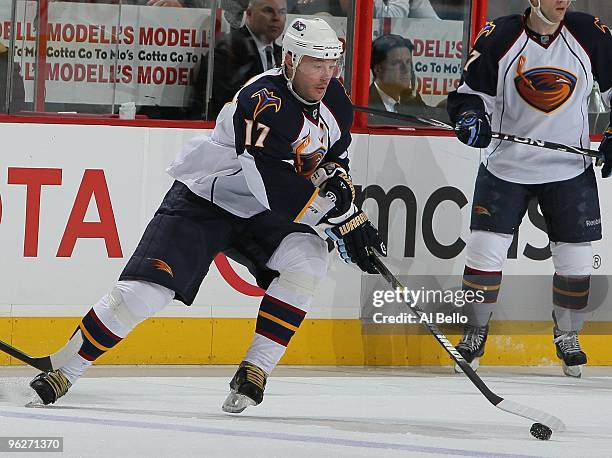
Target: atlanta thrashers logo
{"points": [[299, 26], [480, 210], [161, 265], [544, 88]]}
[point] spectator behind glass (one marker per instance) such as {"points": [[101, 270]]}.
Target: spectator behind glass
{"points": [[165, 3], [179, 3], [382, 8], [18, 92], [394, 85], [242, 54]]}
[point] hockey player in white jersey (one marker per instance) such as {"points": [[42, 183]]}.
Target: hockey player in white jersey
{"points": [[531, 75], [274, 168]]}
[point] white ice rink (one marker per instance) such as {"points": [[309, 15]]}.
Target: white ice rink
{"points": [[312, 412]]}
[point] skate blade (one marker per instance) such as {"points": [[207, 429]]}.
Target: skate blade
{"points": [[475, 364], [35, 403], [236, 403], [572, 371]]}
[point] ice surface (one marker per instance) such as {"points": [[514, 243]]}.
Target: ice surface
{"points": [[313, 412]]}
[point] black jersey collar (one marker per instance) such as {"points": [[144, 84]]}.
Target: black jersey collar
{"points": [[543, 40], [311, 111]]}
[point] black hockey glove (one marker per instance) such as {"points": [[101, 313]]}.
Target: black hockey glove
{"points": [[336, 185], [356, 238], [473, 129], [606, 149]]}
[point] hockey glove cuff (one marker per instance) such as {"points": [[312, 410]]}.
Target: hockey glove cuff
{"points": [[606, 149], [474, 129], [356, 239], [337, 186]]}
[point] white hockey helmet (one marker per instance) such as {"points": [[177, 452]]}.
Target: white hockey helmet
{"points": [[538, 11], [309, 37]]}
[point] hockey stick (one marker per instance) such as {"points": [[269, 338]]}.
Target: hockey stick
{"points": [[536, 415], [497, 135], [45, 363]]}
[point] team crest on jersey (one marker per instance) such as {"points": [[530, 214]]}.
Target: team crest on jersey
{"points": [[544, 88], [266, 99], [309, 151], [305, 161]]}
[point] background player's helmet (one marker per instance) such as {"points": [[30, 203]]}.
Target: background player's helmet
{"points": [[309, 37], [538, 10]]}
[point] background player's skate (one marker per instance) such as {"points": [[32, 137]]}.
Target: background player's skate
{"points": [[472, 345], [543, 418]]}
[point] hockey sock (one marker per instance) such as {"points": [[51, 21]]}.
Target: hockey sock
{"points": [[277, 321], [301, 260], [570, 296], [111, 319], [486, 287], [97, 339]]}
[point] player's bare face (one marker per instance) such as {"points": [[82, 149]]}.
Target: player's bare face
{"points": [[266, 19], [554, 10], [396, 70], [313, 76]]}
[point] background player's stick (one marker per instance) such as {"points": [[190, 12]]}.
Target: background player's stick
{"points": [[497, 135], [46, 363], [538, 416]]}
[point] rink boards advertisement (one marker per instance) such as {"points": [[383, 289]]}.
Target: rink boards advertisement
{"points": [[74, 201]]}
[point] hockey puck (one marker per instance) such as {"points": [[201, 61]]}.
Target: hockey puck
{"points": [[540, 431]]}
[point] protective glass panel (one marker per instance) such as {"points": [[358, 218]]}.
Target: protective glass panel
{"points": [[416, 58]]}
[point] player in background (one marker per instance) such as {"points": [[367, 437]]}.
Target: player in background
{"points": [[274, 168], [531, 75]]}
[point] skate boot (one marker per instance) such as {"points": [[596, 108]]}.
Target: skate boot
{"points": [[49, 386], [247, 388], [472, 345], [569, 352]]}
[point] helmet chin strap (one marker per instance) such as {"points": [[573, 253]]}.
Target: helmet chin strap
{"points": [[290, 82], [538, 11]]}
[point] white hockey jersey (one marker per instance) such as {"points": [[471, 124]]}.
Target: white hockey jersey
{"points": [[265, 146], [536, 86]]}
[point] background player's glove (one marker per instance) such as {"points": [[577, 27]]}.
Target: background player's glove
{"points": [[473, 129], [355, 239], [606, 149], [336, 185]]}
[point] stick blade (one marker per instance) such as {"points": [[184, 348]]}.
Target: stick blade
{"points": [[42, 364], [536, 415]]}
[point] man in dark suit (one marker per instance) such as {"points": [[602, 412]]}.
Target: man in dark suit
{"points": [[394, 85], [242, 54], [17, 100]]}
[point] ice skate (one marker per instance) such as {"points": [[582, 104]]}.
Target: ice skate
{"points": [[247, 388], [472, 345], [569, 352], [49, 386]]}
